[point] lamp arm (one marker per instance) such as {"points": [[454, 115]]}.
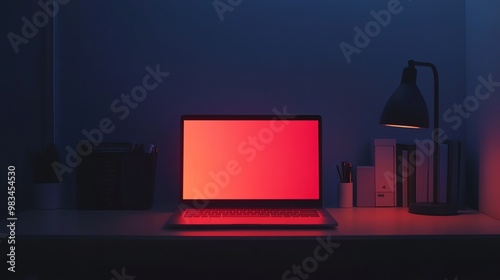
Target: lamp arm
{"points": [[436, 130]]}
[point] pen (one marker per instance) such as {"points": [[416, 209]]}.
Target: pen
{"points": [[344, 172], [350, 173], [340, 176]]}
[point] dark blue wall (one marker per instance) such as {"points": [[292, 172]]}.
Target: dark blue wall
{"points": [[263, 55], [26, 89]]}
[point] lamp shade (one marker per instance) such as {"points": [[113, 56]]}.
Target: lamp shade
{"points": [[406, 107]]}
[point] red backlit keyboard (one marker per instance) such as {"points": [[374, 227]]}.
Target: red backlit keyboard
{"points": [[250, 212]]}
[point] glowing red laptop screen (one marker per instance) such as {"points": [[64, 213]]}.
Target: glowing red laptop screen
{"points": [[250, 159]]}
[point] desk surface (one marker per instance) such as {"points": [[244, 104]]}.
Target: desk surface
{"points": [[368, 242], [353, 223]]}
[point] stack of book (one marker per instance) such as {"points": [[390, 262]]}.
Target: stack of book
{"points": [[415, 173], [403, 174]]}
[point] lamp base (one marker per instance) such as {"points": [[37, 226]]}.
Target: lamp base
{"points": [[431, 208]]}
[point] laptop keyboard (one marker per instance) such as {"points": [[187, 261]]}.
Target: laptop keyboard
{"points": [[250, 212]]}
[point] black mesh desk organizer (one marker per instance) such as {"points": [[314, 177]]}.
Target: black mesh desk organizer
{"points": [[117, 178]]}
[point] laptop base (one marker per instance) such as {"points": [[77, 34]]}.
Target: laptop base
{"points": [[323, 220]]}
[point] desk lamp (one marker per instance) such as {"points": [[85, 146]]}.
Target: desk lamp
{"points": [[406, 108]]}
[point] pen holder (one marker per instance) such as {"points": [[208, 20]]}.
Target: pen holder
{"points": [[345, 195]]}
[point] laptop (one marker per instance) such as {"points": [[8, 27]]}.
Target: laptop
{"points": [[251, 170]]}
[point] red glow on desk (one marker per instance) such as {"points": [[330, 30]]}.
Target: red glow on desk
{"points": [[353, 223]]}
